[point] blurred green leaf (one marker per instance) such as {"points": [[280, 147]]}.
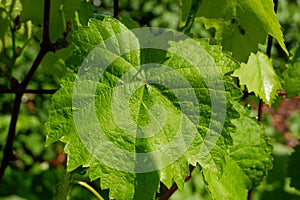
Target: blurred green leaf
{"points": [[293, 168]]}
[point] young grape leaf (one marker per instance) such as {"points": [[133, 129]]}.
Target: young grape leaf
{"points": [[259, 77], [103, 130], [240, 24]]}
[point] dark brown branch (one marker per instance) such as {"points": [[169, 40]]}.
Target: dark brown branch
{"points": [[260, 111], [269, 47], [281, 93], [32, 91], [8, 149], [116, 8], [45, 47], [33, 68]]}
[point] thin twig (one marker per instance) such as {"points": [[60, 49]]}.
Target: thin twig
{"points": [[8, 149], [192, 14], [46, 45], [116, 8], [31, 91], [91, 189]]}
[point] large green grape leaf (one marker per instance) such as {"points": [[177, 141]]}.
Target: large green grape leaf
{"points": [[259, 77], [292, 74], [150, 105], [240, 24]]}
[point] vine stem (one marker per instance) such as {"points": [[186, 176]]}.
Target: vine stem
{"points": [[192, 14], [116, 8], [91, 189], [7, 91], [261, 103]]}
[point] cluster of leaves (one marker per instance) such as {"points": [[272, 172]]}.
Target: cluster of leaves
{"points": [[230, 166]]}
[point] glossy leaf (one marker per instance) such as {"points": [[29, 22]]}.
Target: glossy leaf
{"points": [[259, 77]]}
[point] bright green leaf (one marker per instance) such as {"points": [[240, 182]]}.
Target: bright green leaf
{"points": [[150, 105], [230, 185], [250, 149], [246, 164], [259, 77]]}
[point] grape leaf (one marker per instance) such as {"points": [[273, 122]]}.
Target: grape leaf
{"points": [[149, 105], [259, 77], [247, 162], [240, 24], [232, 183], [292, 74], [250, 148]]}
